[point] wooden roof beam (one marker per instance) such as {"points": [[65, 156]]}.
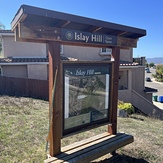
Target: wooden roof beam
{"points": [[93, 29], [122, 33], [65, 24], [38, 32], [97, 29]]}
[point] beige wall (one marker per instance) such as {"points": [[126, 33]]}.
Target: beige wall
{"points": [[125, 95], [82, 53], [37, 71], [91, 53], [138, 82], [138, 75], [126, 55], [148, 96], [135, 81], [19, 71], [22, 49], [123, 79]]}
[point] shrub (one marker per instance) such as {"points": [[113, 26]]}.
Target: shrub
{"points": [[126, 106]]}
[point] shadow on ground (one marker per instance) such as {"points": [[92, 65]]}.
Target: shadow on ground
{"points": [[122, 159]]}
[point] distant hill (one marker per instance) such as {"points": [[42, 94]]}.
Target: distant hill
{"points": [[156, 60]]}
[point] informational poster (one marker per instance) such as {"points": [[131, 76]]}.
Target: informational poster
{"points": [[86, 95]]}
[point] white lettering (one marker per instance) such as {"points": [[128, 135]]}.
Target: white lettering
{"points": [[81, 37], [108, 40], [96, 38], [87, 38], [90, 72], [86, 72], [80, 73]]}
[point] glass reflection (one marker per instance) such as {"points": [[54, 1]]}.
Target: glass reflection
{"points": [[86, 95]]}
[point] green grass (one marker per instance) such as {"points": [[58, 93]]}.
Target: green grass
{"points": [[148, 134], [24, 127]]}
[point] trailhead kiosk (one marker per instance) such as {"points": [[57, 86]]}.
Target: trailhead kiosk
{"points": [[82, 94]]}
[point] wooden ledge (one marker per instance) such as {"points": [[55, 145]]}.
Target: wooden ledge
{"points": [[92, 148]]}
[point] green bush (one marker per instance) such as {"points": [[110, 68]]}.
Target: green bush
{"points": [[159, 79], [126, 106]]}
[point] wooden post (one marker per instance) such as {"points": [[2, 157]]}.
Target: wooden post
{"points": [[116, 55], [55, 106]]}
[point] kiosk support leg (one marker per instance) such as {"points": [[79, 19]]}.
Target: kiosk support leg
{"points": [[55, 103], [116, 55]]}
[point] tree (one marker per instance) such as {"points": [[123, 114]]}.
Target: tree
{"points": [[159, 73], [151, 64], [2, 26]]}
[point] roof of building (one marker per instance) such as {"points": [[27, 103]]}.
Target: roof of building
{"points": [[6, 32], [23, 60], [150, 90], [126, 63], [16, 60]]}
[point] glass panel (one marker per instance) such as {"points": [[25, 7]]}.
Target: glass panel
{"points": [[86, 94]]}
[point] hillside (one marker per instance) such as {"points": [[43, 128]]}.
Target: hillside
{"points": [[157, 60], [24, 128]]}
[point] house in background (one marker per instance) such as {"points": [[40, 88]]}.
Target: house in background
{"points": [[22, 59], [30, 60]]}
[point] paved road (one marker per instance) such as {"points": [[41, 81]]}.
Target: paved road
{"points": [[156, 85]]}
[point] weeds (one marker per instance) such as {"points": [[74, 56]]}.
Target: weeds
{"points": [[24, 127]]}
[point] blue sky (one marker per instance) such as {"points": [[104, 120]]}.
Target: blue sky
{"points": [[144, 14]]}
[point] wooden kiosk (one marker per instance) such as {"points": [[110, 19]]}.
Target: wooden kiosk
{"points": [[32, 24]]}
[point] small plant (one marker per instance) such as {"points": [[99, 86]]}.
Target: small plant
{"points": [[126, 106]]}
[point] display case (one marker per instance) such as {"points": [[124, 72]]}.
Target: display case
{"points": [[86, 90]]}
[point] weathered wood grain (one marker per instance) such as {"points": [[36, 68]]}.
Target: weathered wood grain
{"points": [[88, 150]]}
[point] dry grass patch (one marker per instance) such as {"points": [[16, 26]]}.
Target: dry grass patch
{"points": [[24, 127]]}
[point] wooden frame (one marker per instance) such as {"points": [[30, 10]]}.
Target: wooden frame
{"points": [[85, 64], [56, 123], [32, 24], [91, 148], [55, 132]]}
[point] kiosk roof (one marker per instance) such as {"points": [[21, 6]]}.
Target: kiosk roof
{"points": [[39, 16]]}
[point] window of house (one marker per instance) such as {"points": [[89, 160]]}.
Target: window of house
{"points": [[106, 51]]}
